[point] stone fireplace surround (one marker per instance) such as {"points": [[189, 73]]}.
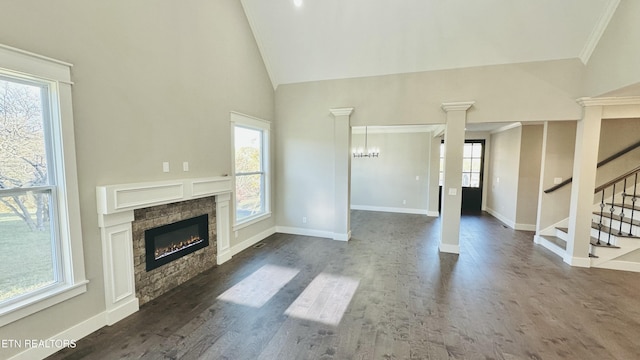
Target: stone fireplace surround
{"points": [[116, 206]]}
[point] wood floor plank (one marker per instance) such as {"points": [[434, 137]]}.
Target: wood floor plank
{"points": [[386, 294]]}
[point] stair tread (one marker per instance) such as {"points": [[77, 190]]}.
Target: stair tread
{"points": [[594, 242], [555, 240], [626, 220], [614, 232], [593, 256], [626, 206]]}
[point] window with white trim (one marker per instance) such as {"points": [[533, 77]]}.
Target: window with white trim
{"points": [[251, 168], [41, 247]]}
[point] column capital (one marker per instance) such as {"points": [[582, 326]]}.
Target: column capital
{"points": [[341, 111], [457, 106], [608, 101]]}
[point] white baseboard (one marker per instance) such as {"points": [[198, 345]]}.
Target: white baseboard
{"points": [[449, 248], [502, 218], [549, 246], [304, 232], [577, 261], [122, 311], [433, 213], [235, 249], [342, 237], [620, 265], [223, 257], [72, 334], [525, 227], [390, 209]]}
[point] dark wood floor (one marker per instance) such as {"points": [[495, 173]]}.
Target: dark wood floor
{"points": [[392, 295]]}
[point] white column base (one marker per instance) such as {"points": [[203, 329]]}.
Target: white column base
{"points": [[449, 248]]}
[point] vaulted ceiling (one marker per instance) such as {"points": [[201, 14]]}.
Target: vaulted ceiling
{"points": [[332, 39]]}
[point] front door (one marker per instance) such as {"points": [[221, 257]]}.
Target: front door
{"points": [[472, 166], [472, 174]]}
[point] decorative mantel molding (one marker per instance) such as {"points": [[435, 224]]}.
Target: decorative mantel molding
{"points": [[116, 204]]}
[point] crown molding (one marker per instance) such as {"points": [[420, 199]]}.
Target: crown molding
{"points": [[609, 101], [457, 106], [341, 111], [598, 31]]}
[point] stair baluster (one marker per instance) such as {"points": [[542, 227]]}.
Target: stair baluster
{"points": [[602, 205], [633, 202], [613, 209], [624, 196]]}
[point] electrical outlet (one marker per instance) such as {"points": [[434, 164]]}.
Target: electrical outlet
{"points": [[165, 166], [304, 219], [404, 202], [417, 177], [557, 181], [185, 166]]}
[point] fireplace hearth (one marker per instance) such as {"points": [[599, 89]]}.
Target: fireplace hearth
{"points": [[170, 242]]}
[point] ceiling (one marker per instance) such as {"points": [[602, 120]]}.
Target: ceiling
{"points": [[333, 39]]}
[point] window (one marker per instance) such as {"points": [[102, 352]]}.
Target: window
{"points": [[471, 163], [251, 164], [38, 237]]}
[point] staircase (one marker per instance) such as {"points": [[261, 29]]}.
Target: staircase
{"points": [[615, 227]]}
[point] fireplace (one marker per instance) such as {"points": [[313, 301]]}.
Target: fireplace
{"points": [[170, 242]]}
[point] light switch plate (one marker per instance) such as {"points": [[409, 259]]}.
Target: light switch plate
{"points": [[453, 191]]}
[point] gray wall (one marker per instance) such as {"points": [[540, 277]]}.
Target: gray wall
{"points": [[154, 81], [615, 135], [502, 198], [557, 162], [386, 181], [529, 175], [304, 148]]}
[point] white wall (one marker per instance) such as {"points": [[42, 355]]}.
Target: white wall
{"points": [[614, 62], [154, 81], [383, 183]]}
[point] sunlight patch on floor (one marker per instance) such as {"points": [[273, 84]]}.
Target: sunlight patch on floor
{"points": [[325, 299], [258, 288]]}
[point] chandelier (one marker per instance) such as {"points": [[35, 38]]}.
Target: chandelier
{"points": [[366, 152]]}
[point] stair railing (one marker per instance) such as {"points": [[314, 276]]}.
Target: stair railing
{"points": [[629, 178], [601, 163]]}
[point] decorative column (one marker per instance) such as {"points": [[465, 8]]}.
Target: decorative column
{"points": [[342, 173], [452, 186], [584, 182]]}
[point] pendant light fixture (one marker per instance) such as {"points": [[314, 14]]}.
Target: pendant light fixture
{"points": [[366, 152]]}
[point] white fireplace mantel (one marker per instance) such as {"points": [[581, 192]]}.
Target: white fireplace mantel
{"points": [[116, 204]]}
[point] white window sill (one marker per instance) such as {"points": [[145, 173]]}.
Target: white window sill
{"points": [[250, 221], [33, 304]]}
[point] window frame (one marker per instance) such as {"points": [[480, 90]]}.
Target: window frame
{"points": [[264, 126], [63, 188]]}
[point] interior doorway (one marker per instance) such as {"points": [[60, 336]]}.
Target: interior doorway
{"points": [[472, 174]]}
